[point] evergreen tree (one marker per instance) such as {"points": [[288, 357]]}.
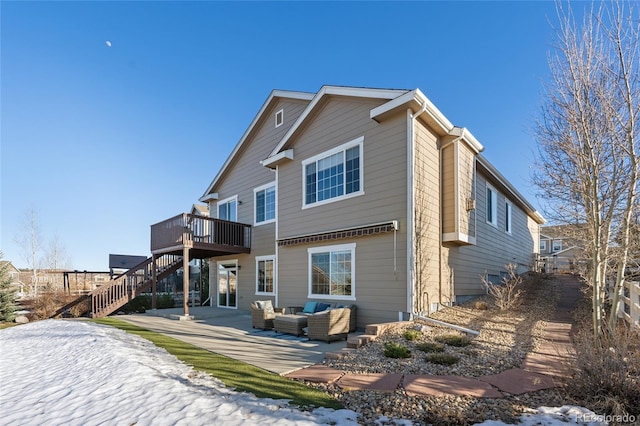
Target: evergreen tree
{"points": [[7, 294]]}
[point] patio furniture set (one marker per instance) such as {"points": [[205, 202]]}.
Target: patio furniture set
{"points": [[318, 320]]}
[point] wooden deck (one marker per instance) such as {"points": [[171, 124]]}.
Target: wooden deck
{"points": [[204, 237]]}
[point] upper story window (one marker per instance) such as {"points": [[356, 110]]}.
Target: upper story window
{"points": [[279, 118], [543, 245], [265, 202], [492, 206], [228, 209], [333, 175], [508, 210], [557, 245]]}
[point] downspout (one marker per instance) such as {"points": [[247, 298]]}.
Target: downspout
{"points": [[276, 263]]}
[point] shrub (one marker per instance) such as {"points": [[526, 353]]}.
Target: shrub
{"points": [[457, 340], [430, 347], [411, 334], [481, 305], [508, 294], [606, 373], [441, 358], [142, 303], [47, 304], [396, 350]]}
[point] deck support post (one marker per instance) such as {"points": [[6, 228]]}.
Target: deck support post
{"points": [[154, 281], [185, 279]]}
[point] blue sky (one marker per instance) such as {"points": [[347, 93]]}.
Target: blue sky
{"points": [[104, 141]]}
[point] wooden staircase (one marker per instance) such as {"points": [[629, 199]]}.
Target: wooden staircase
{"points": [[119, 291]]}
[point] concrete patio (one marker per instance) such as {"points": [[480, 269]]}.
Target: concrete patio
{"points": [[228, 332]]}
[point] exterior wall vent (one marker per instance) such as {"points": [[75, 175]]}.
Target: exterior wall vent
{"points": [[471, 204], [279, 118]]}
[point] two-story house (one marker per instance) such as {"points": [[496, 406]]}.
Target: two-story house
{"points": [[560, 248], [357, 196]]}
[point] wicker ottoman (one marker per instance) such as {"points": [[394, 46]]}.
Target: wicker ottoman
{"points": [[291, 324]]}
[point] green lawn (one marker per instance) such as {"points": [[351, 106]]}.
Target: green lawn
{"points": [[234, 374]]}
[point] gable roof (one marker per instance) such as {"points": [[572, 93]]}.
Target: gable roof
{"points": [[273, 97], [325, 91]]}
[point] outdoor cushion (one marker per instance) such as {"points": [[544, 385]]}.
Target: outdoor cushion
{"points": [[323, 307], [268, 307], [310, 307], [260, 304]]}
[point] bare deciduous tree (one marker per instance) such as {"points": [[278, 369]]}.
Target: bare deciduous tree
{"points": [[56, 256], [588, 166], [30, 242]]}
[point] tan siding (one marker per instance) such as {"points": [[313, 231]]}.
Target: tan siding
{"points": [[494, 247], [466, 168], [380, 293], [427, 219], [245, 174], [448, 190], [384, 170]]}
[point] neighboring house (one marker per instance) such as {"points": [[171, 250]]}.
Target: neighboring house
{"points": [[63, 280], [560, 250], [355, 196], [14, 277]]}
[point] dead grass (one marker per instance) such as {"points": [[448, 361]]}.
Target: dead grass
{"points": [[48, 303], [606, 374]]}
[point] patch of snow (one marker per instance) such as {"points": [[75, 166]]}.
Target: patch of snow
{"points": [[554, 416], [81, 373]]}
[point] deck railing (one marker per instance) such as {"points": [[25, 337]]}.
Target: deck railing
{"points": [[117, 292], [188, 229]]}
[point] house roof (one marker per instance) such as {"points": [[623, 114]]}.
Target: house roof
{"points": [[9, 265], [507, 186], [325, 92], [201, 209]]}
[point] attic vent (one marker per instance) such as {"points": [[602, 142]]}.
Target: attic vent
{"points": [[279, 118], [471, 204]]}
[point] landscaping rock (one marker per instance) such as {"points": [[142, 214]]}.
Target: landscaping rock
{"points": [[21, 319]]}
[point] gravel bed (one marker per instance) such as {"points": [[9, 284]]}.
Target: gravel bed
{"points": [[505, 337]]}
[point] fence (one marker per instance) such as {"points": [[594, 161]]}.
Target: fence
{"points": [[630, 302]]}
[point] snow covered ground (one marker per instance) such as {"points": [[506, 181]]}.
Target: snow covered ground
{"points": [[58, 372]]}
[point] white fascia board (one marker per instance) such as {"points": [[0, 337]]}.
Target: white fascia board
{"points": [[271, 162], [209, 197], [274, 94], [465, 135], [496, 175], [335, 91], [415, 96]]}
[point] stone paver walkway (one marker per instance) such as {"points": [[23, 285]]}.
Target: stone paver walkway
{"points": [[538, 368]]}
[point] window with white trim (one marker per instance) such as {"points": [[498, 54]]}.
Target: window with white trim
{"points": [[265, 203], [507, 217], [265, 273], [228, 209], [492, 205], [543, 245], [331, 271], [279, 118], [557, 245], [333, 175]]}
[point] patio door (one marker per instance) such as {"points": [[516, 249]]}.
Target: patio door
{"points": [[227, 284]]}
